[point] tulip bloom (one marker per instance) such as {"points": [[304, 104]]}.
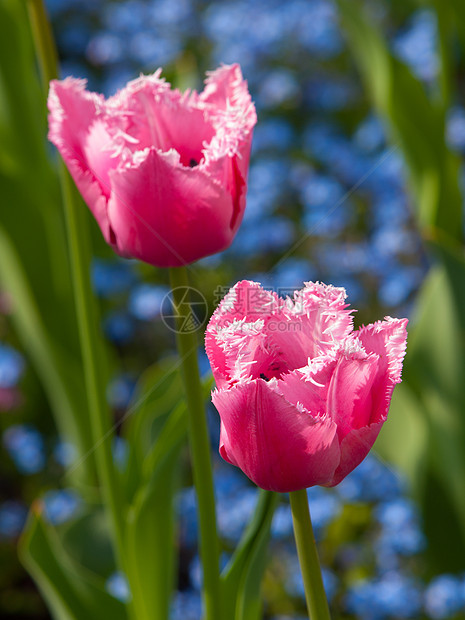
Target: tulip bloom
{"points": [[301, 395], [164, 173]]}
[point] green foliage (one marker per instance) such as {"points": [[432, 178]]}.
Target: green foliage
{"points": [[156, 430], [32, 237], [243, 575], [425, 433], [151, 539], [72, 592], [417, 125]]}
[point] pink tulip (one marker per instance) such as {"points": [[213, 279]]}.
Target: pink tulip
{"points": [[164, 173], [301, 396]]}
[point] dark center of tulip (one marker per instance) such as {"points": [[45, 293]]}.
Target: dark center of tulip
{"points": [[274, 371], [193, 163]]}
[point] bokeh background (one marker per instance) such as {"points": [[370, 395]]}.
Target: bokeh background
{"points": [[355, 180]]}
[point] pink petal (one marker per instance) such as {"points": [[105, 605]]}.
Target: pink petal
{"points": [[309, 387], [246, 300], [233, 117], [277, 445], [316, 322], [157, 116], [354, 448], [167, 214], [351, 398], [73, 114], [231, 170], [388, 340], [234, 338], [226, 87]]}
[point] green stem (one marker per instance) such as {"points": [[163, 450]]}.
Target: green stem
{"points": [[317, 604], [43, 39], [200, 448], [95, 381]]}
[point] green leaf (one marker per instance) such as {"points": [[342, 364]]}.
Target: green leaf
{"points": [[434, 373], [173, 431], [55, 367], [158, 432], [157, 394], [417, 124], [71, 592], [150, 539], [34, 267], [158, 410], [404, 438], [243, 575], [88, 542]]}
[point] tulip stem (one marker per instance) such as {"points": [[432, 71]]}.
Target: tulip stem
{"points": [[199, 443], [317, 603]]}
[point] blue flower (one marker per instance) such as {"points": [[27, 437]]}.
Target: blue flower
{"points": [[64, 453], [186, 605], [273, 235], [119, 327], [11, 366], [346, 259], [25, 446], [125, 17], [61, 505], [317, 28], [388, 243], [267, 178], [105, 48], [278, 87], [229, 482], [12, 518], [390, 208], [281, 526], [399, 284], [171, 14], [392, 596], [417, 45], [324, 506], [153, 51], [117, 585], [327, 209], [371, 481], [290, 275], [120, 451], [330, 94], [444, 597], [235, 514], [73, 37], [397, 517], [186, 507], [146, 301], [370, 136], [120, 391], [272, 134], [456, 129], [400, 534]]}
